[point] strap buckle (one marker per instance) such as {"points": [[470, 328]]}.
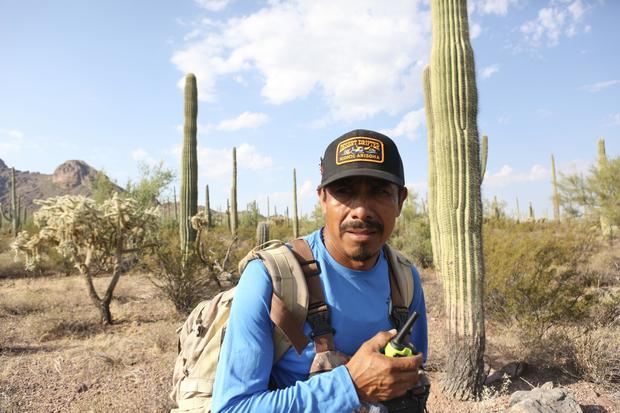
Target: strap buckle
{"points": [[320, 321], [313, 267]]}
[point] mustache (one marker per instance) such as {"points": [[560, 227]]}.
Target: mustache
{"points": [[361, 225]]}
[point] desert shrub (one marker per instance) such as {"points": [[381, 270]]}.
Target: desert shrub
{"points": [[187, 280], [595, 355], [181, 279], [535, 276], [412, 234]]}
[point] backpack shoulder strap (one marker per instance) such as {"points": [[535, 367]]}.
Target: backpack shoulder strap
{"points": [[289, 301], [318, 316], [401, 284]]}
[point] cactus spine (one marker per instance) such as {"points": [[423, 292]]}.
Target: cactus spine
{"points": [[234, 217], [484, 153], [262, 233], [556, 195], [456, 195], [189, 166], [208, 208], [295, 217]]}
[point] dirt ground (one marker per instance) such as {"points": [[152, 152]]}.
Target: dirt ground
{"points": [[56, 357]]}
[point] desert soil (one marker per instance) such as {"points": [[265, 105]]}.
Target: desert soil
{"points": [[56, 357]]}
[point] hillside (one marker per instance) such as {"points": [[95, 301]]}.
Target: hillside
{"points": [[72, 177]]}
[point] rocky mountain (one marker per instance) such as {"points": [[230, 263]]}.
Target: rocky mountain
{"points": [[70, 178]]}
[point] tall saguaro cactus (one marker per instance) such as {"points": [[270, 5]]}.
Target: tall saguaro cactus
{"points": [[189, 166], [234, 217], [14, 214], [556, 195], [602, 163], [208, 208], [456, 195], [295, 217]]}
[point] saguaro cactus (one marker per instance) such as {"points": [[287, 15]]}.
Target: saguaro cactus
{"points": [[456, 194], [556, 195], [484, 154], [189, 166], [531, 216], [295, 217], [14, 214], [262, 233], [228, 214], [606, 228], [432, 171], [208, 208], [234, 217], [518, 212]]}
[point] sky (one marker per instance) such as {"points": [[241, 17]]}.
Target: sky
{"points": [[102, 81]]}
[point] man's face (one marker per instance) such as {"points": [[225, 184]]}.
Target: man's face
{"points": [[360, 213]]}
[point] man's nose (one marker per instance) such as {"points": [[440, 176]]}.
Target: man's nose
{"points": [[361, 207]]}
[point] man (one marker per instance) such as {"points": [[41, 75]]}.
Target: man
{"points": [[361, 193]]}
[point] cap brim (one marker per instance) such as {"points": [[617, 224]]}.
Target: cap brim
{"points": [[373, 173]]}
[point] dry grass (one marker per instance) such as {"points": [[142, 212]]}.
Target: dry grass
{"points": [[56, 356]]}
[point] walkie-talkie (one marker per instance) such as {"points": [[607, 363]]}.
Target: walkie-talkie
{"points": [[398, 346]]}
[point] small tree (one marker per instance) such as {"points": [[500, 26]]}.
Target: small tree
{"points": [[93, 237]]}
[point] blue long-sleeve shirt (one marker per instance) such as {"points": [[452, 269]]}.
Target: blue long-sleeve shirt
{"points": [[359, 307]]}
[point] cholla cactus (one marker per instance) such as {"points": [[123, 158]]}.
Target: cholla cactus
{"points": [[91, 236], [455, 194]]}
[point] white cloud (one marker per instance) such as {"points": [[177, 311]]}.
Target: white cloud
{"points": [[499, 7], [503, 120], [614, 119], [560, 17], [506, 176], [217, 163], [243, 121], [141, 155], [489, 71], [474, 30], [11, 140], [212, 5], [409, 125], [597, 87], [306, 189], [362, 57]]}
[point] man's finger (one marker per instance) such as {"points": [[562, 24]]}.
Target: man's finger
{"points": [[411, 363], [380, 339]]}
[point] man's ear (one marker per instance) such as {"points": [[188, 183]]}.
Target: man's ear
{"points": [[402, 195], [320, 191]]}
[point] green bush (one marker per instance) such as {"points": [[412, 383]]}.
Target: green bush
{"points": [[412, 234], [535, 274]]}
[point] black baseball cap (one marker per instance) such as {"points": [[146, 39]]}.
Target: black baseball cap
{"points": [[362, 152]]}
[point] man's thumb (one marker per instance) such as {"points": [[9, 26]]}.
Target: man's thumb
{"points": [[381, 339]]}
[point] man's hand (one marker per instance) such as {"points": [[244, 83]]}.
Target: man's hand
{"points": [[377, 377]]}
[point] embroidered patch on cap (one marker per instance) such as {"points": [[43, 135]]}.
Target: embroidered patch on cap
{"points": [[359, 150]]}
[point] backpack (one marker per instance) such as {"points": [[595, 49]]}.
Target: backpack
{"points": [[292, 270]]}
